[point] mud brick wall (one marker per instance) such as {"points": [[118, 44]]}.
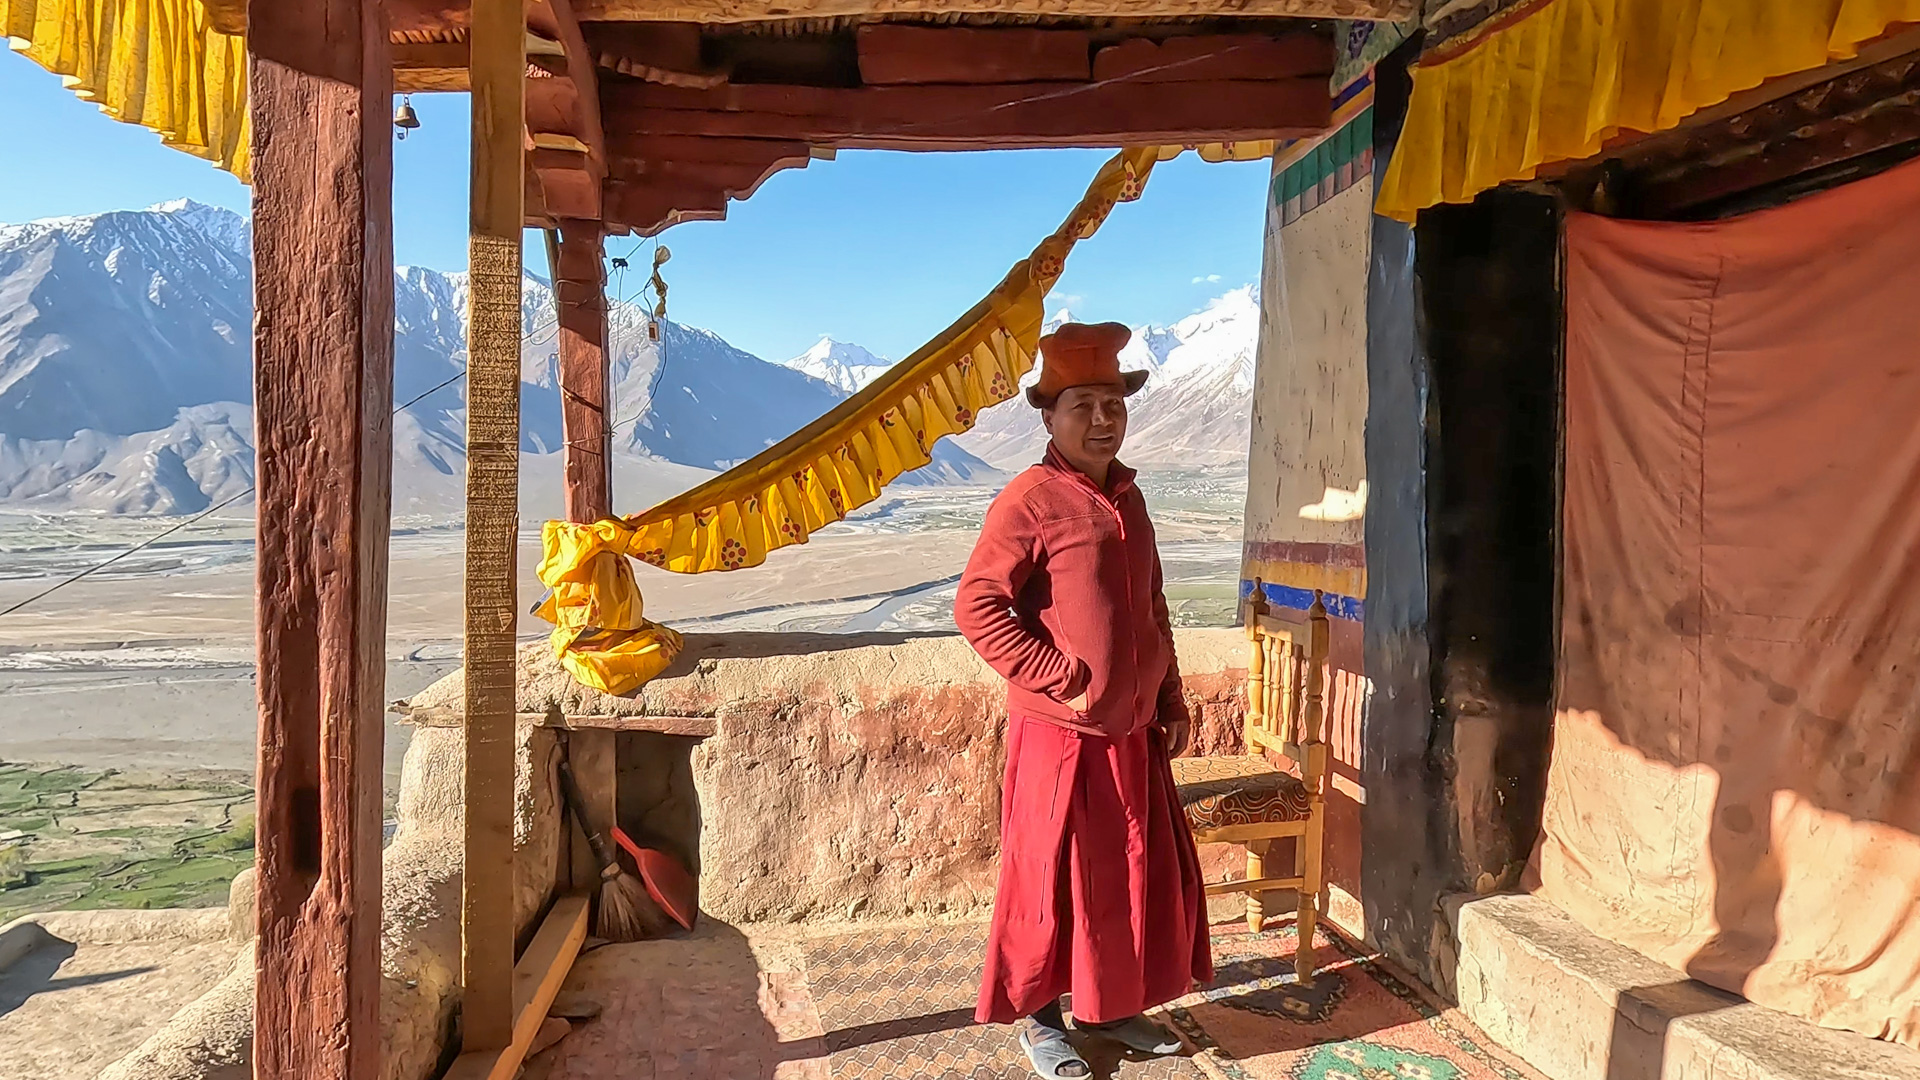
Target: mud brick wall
{"points": [[849, 776]]}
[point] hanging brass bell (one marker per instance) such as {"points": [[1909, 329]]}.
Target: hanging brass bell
{"points": [[404, 117]]}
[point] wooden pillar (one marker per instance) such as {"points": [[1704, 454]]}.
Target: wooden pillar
{"points": [[320, 93], [497, 73], [580, 292]]}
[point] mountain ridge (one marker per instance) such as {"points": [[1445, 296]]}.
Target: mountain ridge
{"points": [[126, 375]]}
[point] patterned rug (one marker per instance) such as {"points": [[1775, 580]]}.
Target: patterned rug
{"points": [[1360, 1020], [899, 1004]]}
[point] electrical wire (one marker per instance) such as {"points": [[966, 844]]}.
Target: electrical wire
{"points": [[195, 519]]}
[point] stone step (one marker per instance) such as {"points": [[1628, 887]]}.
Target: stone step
{"points": [[1578, 1007]]}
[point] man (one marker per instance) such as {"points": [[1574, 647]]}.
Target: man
{"points": [[1100, 891]]}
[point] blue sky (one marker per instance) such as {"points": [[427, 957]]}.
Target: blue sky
{"points": [[882, 249]]}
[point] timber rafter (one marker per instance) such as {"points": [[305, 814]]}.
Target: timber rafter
{"points": [[643, 114]]}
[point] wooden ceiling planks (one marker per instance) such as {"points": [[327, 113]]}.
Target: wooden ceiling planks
{"points": [[563, 115], [895, 54], [928, 87], [646, 113], [1006, 115], [733, 11]]}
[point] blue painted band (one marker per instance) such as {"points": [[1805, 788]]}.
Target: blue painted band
{"points": [[1340, 607]]}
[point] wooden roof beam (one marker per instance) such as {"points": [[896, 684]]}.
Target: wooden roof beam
{"points": [[1006, 116], [731, 11], [431, 67], [895, 54], [1207, 57], [555, 19], [563, 115]]}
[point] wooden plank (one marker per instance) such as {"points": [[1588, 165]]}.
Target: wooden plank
{"points": [[1890, 121], [537, 979], [498, 65], [318, 87], [627, 149], [581, 69], [594, 755], [1209, 57], [434, 54], [581, 287], [896, 54], [726, 11], [1240, 834], [1009, 115], [430, 81], [1257, 884], [665, 53]]}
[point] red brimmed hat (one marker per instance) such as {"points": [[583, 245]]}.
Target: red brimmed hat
{"points": [[1083, 354]]}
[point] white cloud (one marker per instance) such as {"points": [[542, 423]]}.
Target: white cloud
{"points": [[1210, 279]]}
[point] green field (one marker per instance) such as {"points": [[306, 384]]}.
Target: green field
{"points": [[81, 838]]}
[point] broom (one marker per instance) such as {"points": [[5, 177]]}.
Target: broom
{"points": [[627, 913]]}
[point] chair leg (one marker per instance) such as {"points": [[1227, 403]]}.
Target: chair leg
{"points": [[1308, 861], [1256, 868]]}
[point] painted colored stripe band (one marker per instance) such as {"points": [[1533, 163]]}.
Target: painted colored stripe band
{"points": [[1286, 596], [1307, 551]]}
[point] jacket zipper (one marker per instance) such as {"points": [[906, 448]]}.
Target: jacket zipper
{"points": [[1133, 643]]}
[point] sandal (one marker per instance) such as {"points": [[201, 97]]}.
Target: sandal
{"points": [[1052, 1056], [1137, 1033]]}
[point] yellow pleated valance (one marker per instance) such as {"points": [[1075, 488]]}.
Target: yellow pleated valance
{"points": [[156, 63], [843, 460], [1561, 80], [821, 473]]}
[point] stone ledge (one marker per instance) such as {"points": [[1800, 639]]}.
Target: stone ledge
{"points": [[1578, 1007]]}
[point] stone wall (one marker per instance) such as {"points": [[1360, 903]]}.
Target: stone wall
{"points": [[849, 776], [212, 1038]]}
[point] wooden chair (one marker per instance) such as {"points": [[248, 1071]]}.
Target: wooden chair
{"points": [[1246, 799]]}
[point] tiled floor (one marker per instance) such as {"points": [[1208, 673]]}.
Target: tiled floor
{"points": [[896, 1002]]}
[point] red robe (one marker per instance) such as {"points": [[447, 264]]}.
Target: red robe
{"points": [[1100, 890]]}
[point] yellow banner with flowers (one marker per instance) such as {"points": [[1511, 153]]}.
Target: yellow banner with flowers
{"points": [[821, 473]]}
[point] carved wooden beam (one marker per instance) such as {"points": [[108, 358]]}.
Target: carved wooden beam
{"points": [[1210, 57], [627, 148], [728, 11], [492, 609], [893, 54], [1007, 116], [557, 18], [569, 155], [430, 67], [664, 53]]}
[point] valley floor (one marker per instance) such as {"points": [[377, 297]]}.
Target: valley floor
{"points": [[149, 664]]}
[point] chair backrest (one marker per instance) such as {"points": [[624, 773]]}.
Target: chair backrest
{"points": [[1286, 683]]}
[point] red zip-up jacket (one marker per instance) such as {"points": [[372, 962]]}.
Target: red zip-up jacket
{"points": [[1063, 593]]}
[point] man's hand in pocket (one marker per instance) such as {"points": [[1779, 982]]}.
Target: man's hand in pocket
{"points": [[1176, 733]]}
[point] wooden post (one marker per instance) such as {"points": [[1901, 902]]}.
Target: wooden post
{"points": [[319, 90], [497, 65], [581, 298]]}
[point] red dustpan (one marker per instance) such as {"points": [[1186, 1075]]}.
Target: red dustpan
{"points": [[675, 890]]}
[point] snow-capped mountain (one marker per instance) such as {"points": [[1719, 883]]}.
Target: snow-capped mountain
{"points": [[846, 366], [126, 377], [1196, 408]]}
